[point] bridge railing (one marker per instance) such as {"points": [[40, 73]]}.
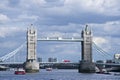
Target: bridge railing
{"points": [[60, 39]]}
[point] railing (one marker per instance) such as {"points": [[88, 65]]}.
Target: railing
{"points": [[60, 39]]}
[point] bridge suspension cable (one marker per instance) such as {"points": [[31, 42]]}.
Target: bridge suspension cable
{"points": [[100, 54], [100, 50], [9, 55]]}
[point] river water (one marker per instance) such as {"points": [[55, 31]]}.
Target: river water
{"points": [[57, 74]]}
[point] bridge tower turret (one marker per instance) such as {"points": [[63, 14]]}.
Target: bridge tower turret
{"points": [[31, 64], [86, 64]]}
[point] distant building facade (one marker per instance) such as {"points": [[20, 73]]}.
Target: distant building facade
{"points": [[52, 59], [117, 58], [39, 59]]}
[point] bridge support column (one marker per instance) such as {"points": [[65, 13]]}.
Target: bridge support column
{"points": [[31, 64], [31, 67], [86, 65]]}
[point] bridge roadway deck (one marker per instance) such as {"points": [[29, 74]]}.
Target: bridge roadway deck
{"points": [[45, 63], [39, 63], [109, 64]]}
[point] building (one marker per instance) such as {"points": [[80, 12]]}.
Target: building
{"points": [[39, 59], [116, 58], [52, 59]]}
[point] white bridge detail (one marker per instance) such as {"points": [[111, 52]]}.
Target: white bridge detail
{"points": [[60, 39]]}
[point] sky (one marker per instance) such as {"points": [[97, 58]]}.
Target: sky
{"points": [[60, 18]]}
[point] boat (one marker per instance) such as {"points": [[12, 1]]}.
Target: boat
{"points": [[3, 68], [115, 69], [103, 71], [117, 74], [116, 60], [20, 71], [48, 69]]}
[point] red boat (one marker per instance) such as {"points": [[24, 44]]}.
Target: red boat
{"points": [[20, 72], [66, 60]]}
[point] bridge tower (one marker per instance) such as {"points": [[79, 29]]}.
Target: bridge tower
{"points": [[31, 64], [86, 64]]}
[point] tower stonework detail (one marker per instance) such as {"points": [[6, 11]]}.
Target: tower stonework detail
{"points": [[86, 64], [31, 44], [31, 64]]}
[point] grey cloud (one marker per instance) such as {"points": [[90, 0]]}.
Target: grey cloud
{"points": [[70, 12]]}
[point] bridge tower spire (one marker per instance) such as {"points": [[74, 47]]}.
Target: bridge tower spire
{"points": [[31, 64], [86, 64]]}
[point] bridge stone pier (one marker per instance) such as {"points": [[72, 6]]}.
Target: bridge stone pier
{"points": [[86, 65], [31, 64]]}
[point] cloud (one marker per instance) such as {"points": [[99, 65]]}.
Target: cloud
{"points": [[66, 31], [62, 12], [60, 50], [10, 31], [8, 44], [28, 4], [99, 40], [108, 29], [24, 17], [3, 4], [4, 18], [112, 28], [106, 36], [104, 7]]}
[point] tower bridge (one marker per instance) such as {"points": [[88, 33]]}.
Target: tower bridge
{"points": [[86, 64]]}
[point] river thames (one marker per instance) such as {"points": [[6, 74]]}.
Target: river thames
{"points": [[57, 74]]}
